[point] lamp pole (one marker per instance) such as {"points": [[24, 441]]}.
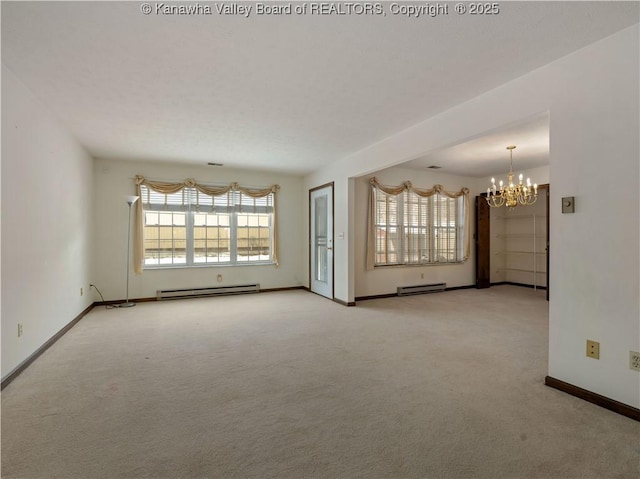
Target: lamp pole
{"points": [[130, 201]]}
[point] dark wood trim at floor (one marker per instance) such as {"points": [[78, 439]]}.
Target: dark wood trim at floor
{"points": [[453, 288], [344, 303], [38, 352], [393, 295], [288, 288], [595, 398], [376, 296], [115, 302], [335, 300]]}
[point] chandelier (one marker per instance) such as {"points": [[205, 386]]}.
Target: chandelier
{"points": [[512, 194]]}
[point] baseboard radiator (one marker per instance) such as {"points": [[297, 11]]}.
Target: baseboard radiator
{"points": [[421, 289], [201, 292]]}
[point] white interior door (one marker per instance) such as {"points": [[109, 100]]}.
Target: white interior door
{"points": [[321, 241]]}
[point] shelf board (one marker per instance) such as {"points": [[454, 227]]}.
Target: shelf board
{"points": [[520, 217], [519, 235], [521, 252], [522, 270]]}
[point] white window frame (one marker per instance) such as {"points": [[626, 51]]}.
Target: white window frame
{"points": [[435, 255], [233, 209]]}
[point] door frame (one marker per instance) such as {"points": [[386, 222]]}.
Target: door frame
{"points": [[333, 257], [482, 238], [548, 188]]}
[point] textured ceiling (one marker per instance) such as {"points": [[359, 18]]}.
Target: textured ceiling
{"points": [[487, 154], [287, 93]]}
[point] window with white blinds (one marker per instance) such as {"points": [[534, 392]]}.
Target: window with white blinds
{"points": [[412, 229], [190, 228]]}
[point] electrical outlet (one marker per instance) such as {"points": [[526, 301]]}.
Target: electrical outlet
{"points": [[593, 349], [421, 275], [19, 329], [634, 360], [219, 278]]}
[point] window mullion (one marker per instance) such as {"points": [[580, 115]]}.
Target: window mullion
{"points": [[406, 223], [438, 235], [271, 242], [459, 232], [432, 228], [233, 233], [449, 219], [190, 236], [402, 224], [387, 235]]}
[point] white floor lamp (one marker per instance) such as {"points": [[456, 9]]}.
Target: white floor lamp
{"points": [[130, 201]]}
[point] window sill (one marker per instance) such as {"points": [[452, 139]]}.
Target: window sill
{"points": [[413, 265], [207, 265]]}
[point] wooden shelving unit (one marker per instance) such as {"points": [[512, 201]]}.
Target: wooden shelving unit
{"points": [[518, 244]]}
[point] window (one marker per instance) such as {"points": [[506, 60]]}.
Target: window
{"points": [[190, 228], [413, 229]]}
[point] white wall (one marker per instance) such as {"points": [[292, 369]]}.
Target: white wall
{"points": [[384, 280], [595, 251], [114, 180], [46, 197], [593, 100]]}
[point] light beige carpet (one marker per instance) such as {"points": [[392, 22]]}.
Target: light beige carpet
{"points": [[291, 385]]}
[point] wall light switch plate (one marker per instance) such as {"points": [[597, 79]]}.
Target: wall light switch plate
{"points": [[569, 204]]}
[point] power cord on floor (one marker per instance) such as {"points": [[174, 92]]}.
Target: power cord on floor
{"points": [[106, 306]]}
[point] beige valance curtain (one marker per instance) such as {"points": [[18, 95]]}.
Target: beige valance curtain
{"points": [[170, 188], [407, 186]]}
